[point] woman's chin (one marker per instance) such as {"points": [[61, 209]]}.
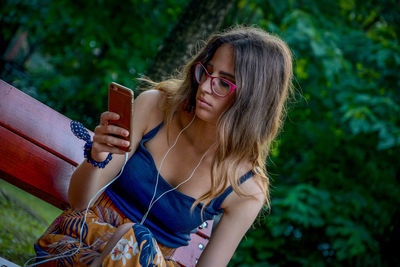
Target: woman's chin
{"points": [[205, 115]]}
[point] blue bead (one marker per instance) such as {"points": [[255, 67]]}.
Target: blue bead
{"points": [[80, 131]]}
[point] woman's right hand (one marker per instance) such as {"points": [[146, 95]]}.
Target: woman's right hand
{"points": [[107, 138]]}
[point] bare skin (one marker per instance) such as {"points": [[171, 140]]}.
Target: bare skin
{"points": [[239, 212]]}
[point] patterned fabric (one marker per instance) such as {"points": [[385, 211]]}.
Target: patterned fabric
{"points": [[137, 247], [81, 132]]}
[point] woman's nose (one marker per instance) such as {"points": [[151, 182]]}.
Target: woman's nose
{"points": [[206, 86]]}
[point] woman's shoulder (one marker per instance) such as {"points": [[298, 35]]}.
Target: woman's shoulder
{"points": [[151, 97], [246, 205], [253, 187], [148, 107]]}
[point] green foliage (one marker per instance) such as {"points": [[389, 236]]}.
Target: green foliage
{"points": [[335, 173], [80, 47]]}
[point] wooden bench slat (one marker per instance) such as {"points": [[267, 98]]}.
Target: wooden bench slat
{"points": [[34, 169], [205, 229], [189, 255], [39, 123], [39, 154]]}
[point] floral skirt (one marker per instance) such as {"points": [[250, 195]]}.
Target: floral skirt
{"points": [[137, 247]]}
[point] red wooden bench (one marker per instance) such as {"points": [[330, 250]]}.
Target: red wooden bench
{"points": [[39, 153]]}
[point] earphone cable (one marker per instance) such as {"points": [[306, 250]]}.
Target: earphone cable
{"points": [[65, 254]]}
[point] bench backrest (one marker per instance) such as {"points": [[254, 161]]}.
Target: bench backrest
{"points": [[39, 153]]}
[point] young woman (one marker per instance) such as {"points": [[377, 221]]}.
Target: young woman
{"points": [[199, 148]]}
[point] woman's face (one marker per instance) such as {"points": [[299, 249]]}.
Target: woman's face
{"points": [[209, 107]]}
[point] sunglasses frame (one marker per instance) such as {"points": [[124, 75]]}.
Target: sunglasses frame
{"points": [[232, 85]]}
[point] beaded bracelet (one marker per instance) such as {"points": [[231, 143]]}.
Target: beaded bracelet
{"points": [[87, 154], [80, 131]]}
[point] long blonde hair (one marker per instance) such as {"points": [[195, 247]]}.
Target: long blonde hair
{"points": [[263, 72]]}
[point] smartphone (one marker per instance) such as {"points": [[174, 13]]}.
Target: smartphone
{"points": [[120, 101]]}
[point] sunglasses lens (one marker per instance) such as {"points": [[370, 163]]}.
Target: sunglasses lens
{"points": [[221, 87], [200, 74]]}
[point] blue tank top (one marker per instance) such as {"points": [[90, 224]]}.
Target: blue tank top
{"points": [[170, 219]]}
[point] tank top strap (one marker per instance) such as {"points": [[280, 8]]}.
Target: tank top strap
{"points": [[149, 135], [218, 200]]}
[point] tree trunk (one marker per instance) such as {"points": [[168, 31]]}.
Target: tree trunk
{"points": [[197, 22]]}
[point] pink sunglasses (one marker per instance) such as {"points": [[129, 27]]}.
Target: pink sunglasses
{"points": [[219, 86]]}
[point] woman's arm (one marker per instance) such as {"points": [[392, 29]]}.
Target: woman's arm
{"points": [[86, 179], [239, 215]]}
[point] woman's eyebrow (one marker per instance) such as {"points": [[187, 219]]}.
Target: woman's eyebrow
{"points": [[227, 74], [223, 72]]}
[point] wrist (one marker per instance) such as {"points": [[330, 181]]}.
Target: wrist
{"points": [[79, 131], [102, 156], [88, 155]]}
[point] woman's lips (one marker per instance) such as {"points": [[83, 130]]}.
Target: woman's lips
{"points": [[203, 103]]}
